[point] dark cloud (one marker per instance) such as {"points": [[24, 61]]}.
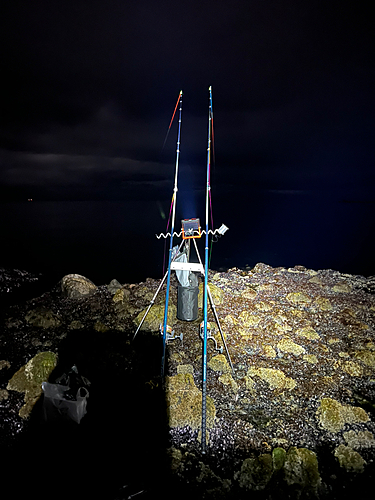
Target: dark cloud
{"points": [[90, 88]]}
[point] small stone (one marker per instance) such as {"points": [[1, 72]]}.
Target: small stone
{"points": [[248, 293], [316, 280], [4, 364], [114, 286], [28, 379], [255, 472], [3, 394], [301, 468], [42, 318]]}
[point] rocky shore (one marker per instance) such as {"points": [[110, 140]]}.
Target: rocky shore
{"points": [[294, 419]]}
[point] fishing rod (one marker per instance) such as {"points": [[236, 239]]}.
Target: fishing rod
{"points": [[171, 239], [204, 369]]}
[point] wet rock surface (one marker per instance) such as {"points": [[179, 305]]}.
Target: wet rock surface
{"points": [[294, 419]]}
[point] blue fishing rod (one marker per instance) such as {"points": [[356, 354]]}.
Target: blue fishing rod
{"points": [[175, 189], [205, 301]]}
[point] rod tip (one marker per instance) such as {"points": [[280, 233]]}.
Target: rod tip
{"points": [[181, 92]]}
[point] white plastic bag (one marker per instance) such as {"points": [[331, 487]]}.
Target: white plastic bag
{"points": [[57, 406]]}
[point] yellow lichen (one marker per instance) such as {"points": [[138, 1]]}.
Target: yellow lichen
{"points": [[269, 351], [367, 357], [308, 332], [333, 416], [155, 317], [310, 358], [219, 363], [298, 298], [323, 304], [217, 294], [264, 306], [184, 402], [342, 288], [249, 319], [349, 459], [227, 379], [287, 345], [352, 369], [275, 378]]}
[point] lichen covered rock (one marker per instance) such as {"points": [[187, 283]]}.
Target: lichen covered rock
{"points": [[256, 472], [29, 378], [155, 317], [301, 468], [333, 416], [216, 293], [275, 378], [349, 459], [184, 403]]}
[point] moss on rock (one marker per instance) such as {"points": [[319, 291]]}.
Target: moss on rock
{"points": [[278, 458], [301, 468], [29, 378], [256, 472]]}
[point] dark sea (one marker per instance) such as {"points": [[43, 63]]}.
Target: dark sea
{"points": [[103, 240]]}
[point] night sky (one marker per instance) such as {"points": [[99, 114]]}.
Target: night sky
{"points": [[89, 87]]}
